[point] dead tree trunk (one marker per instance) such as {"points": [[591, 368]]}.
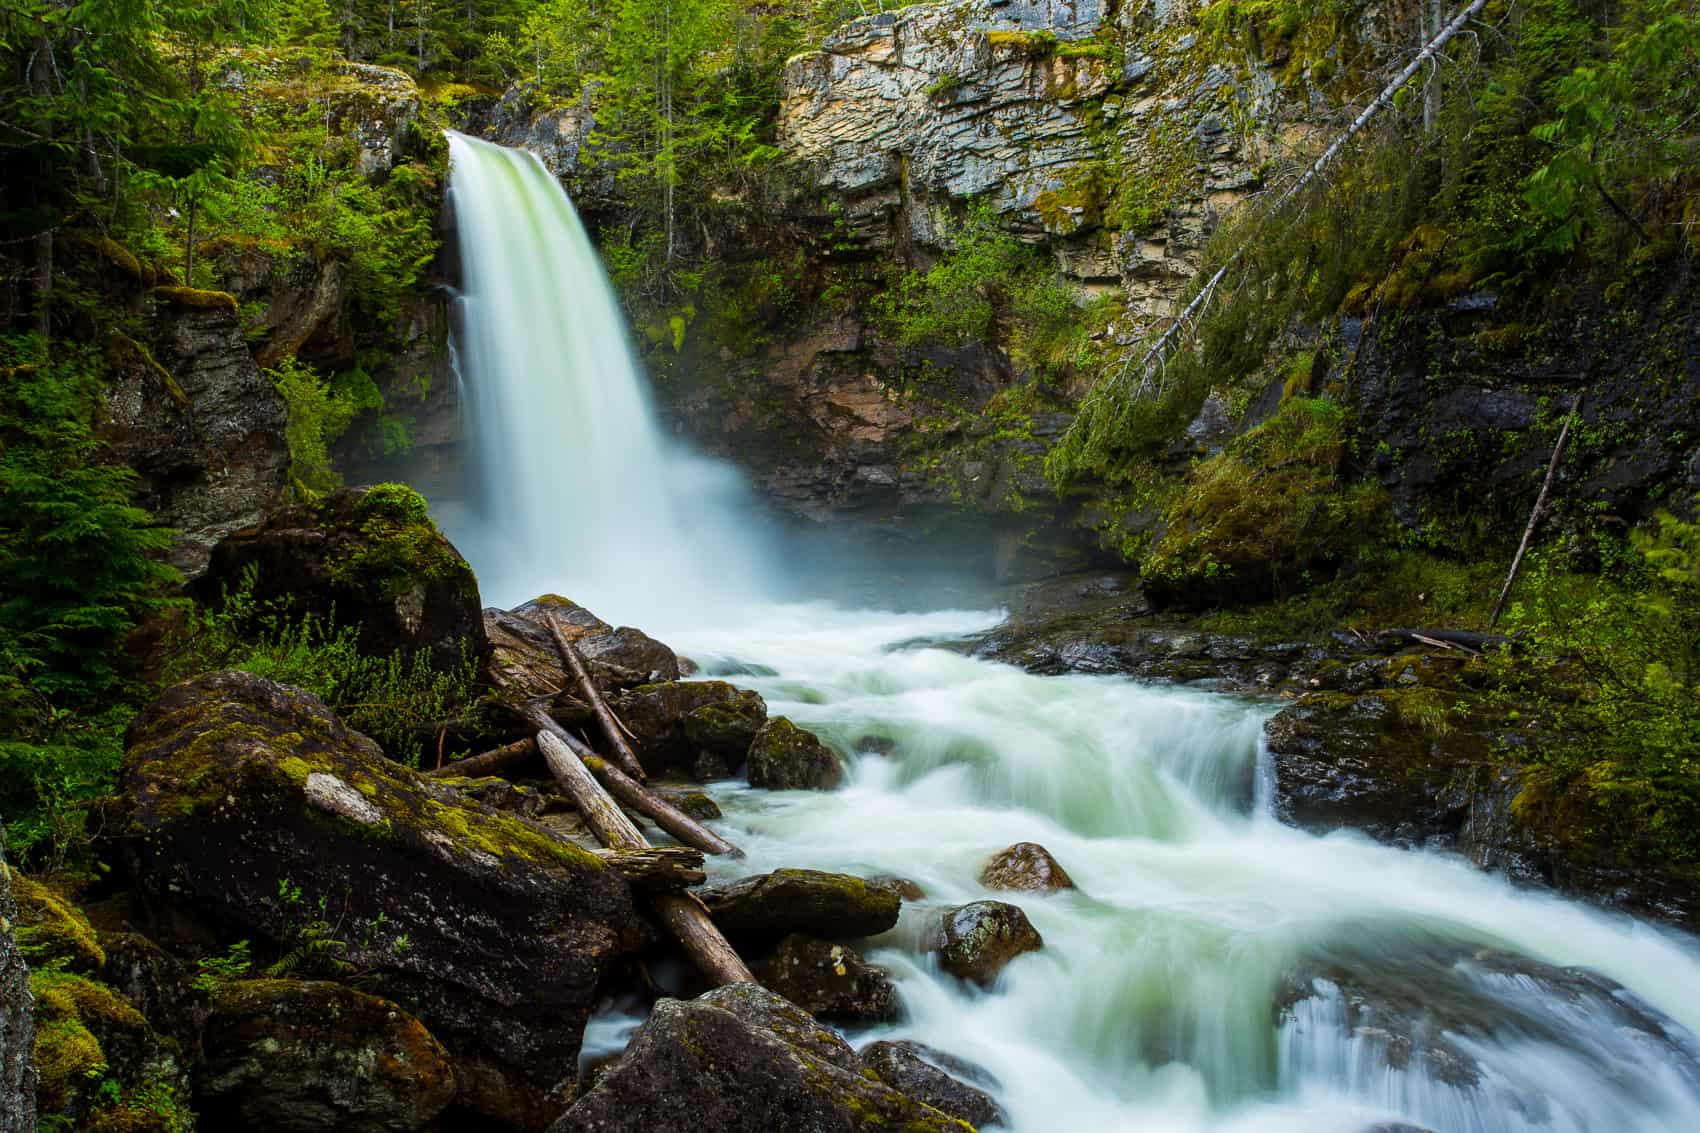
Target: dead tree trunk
{"points": [[683, 914], [1149, 364], [623, 753], [665, 870], [1537, 513], [487, 763], [657, 809]]}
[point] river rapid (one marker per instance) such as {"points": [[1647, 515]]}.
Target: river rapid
{"points": [[1214, 970]]}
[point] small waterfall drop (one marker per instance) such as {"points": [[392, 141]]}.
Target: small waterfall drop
{"points": [[1215, 971], [570, 476]]}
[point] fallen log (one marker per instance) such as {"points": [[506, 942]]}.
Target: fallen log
{"points": [[641, 799], [1446, 638], [657, 809], [1538, 512], [611, 726], [604, 817], [684, 915], [487, 763], [664, 869]]}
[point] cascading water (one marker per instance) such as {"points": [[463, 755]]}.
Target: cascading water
{"points": [[1214, 970]]}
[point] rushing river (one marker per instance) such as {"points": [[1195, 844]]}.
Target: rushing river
{"points": [[1214, 970]]}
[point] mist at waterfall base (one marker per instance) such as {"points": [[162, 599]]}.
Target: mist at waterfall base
{"points": [[1214, 970]]}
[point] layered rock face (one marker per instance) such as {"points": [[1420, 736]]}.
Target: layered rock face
{"points": [[1024, 104], [199, 423]]}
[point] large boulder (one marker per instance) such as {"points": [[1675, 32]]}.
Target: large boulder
{"points": [[245, 803], [976, 942], [770, 906], [742, 1060], [1025, 866], [936, 1078], [372, 559], [784, 757], [526, 663], [17, 1023], [198, 421], [830, 981], [675, 723], [309, 1057]]}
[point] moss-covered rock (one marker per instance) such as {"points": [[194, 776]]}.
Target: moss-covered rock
{"points": [[977, 941], [246, 803], [784, 757], [770, 906], [52, 929], [371, 558], [743, 1060], [1025, 866], [675, 722], [1257, 517], [101, 1066], [830, 981], [310, 1057], [525, 662]]}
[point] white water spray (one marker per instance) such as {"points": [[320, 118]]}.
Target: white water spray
{"points": [[1154, 1005]]}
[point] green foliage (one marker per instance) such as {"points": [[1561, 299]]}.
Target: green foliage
{"points": [[318, 415], [1615, 662], [387, 698], [216, 972], [1262, 514], [77, 573]]}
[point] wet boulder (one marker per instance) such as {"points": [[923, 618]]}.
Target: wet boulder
{"points": [[976, 942], [372, 559], [676, 724], [244, 802], [742, 1060], [936, 1078], [1025, 866], [830, 981], [311, 1057], [784, 757], [526, 663], [768, 907]]}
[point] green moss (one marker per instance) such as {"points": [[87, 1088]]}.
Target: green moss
{"points": [[398, 546], [67, 1053], [1029, 44], [122, 350], [51, 928], [1260, 515], [194, 299], [503, 836]]}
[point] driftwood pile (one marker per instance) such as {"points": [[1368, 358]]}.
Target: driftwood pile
{"points": [[597, 787]]}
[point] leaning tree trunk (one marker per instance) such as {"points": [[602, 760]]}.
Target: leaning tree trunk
{"points": [[17, 1018]]}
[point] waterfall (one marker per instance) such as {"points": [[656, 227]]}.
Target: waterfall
{"points": [[1215, 971], [570, 479]]}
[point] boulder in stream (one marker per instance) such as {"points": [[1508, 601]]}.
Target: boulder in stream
{"points": [[674, 724], [311, 1057], [830, 981], [742, 1060], [1025, 866], [784, 757], [244, 803], [937, 1078], [771, 906], [525, 663], [975, 942]]}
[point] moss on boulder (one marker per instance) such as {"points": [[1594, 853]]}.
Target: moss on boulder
{"points": [[676, 721], [784, 757], [312, 1057], [977, 941], [245, 803], [369, 557], [52, 929], [1254, 519], [770, 906]]}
